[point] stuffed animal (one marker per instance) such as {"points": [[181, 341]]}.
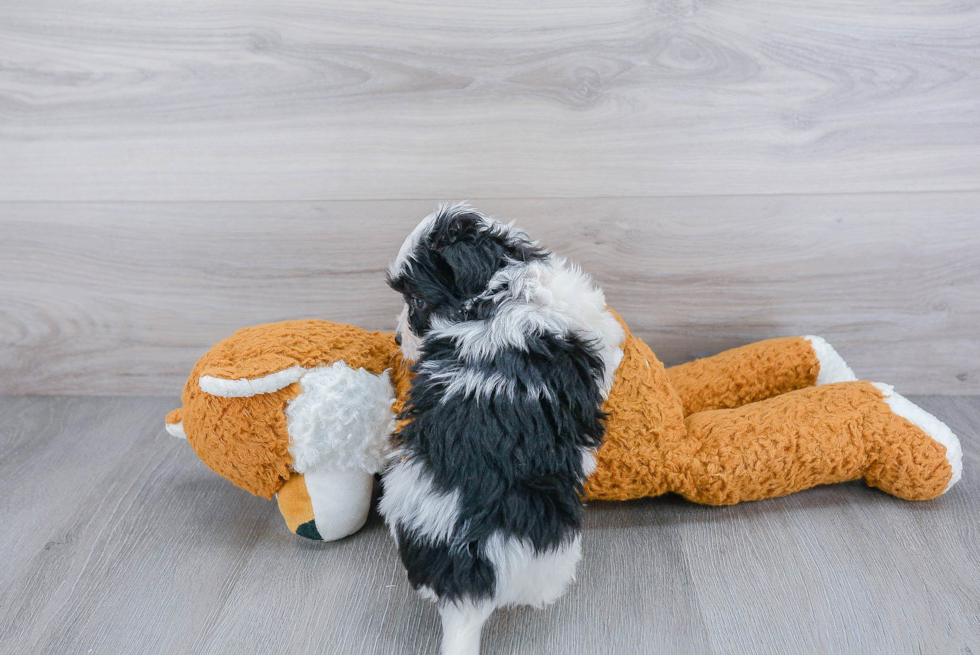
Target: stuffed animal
{"points": [[305, 411]]}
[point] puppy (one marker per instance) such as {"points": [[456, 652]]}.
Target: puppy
{"points": [[514, 353]]}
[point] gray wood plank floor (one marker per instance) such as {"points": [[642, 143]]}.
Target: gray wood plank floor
{"points": [[116, 539]]}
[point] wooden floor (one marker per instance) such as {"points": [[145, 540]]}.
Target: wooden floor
{"points": [[116, 539]]}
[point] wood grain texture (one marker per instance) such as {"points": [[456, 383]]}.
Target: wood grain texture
{"points": [[305, 100], [111, 298], [36, 458], [152, 553]]}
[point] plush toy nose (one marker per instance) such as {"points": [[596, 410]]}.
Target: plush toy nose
{"points": [[297, 508], [326, 505], [398, 338]]}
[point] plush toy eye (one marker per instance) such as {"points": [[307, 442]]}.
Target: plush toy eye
{"points": [[418, 303]]}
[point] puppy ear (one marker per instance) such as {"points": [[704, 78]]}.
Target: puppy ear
{"points": [[472, 261], [474, 249], [456, 227]]}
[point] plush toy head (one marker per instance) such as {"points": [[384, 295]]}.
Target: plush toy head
{"points": [[301, 409]]}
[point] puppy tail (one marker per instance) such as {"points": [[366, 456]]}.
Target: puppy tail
{"points": [[462, 623]]}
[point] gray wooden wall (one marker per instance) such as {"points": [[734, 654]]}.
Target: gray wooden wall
{"points": [[171, 170]]}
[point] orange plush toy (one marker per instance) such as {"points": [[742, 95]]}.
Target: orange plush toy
{"points": [[305, 411]]}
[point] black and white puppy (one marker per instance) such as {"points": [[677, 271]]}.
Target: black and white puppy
{"points": [[514, 353]]}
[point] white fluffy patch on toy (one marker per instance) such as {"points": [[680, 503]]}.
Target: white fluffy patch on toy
{"points": [[341, 418], [412, 502], [527, 577], [833, 368], [929, 424], [243, 387], [549, 296], [176, 430]]}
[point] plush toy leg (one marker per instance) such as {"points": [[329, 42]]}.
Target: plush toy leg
{"points": [[757, 371], [820, 435], [899, 465], [326, 505]]}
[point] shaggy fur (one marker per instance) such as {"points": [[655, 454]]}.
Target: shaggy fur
{"points": [[515, 352]]}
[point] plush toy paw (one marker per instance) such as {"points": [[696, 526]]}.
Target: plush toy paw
{"points": [[915, 456], [831, 366]]}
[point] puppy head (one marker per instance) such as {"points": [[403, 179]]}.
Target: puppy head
{"points": [[446, 262]]}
